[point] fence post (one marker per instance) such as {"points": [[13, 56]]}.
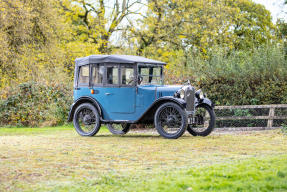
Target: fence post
{"points": [[271, 115]]}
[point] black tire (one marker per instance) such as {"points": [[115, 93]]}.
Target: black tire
{"points": [[170, 116], [119, 129], [195, 131], [86, 120]]}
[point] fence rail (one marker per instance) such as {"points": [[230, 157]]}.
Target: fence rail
{"points": [[270, 117]]}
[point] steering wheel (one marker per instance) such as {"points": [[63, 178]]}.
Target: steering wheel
{"points": [[130, 81]]}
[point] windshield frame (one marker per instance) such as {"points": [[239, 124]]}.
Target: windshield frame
{"points": [[150, 65]]}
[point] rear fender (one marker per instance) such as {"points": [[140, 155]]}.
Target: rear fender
{"points": [[85, 99]]}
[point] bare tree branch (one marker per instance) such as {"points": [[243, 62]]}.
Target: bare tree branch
{"points": [[64, 7]]}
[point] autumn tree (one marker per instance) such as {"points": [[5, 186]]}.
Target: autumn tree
{"points": [[96, 21], [200, 25], [27, 33]]}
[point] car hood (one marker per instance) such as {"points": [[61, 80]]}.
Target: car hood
{"points": [[167, 90], [162, 90]]}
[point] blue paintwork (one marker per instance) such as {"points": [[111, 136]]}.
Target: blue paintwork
{"points": [[126, 103]]}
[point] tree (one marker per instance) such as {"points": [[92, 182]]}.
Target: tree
{"points": [[26, 27], [282, 29], [96, 21], [200, 25], [282, 33]]}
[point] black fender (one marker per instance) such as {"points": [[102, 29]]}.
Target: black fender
{"points": [[204, 101], [79, 101], [149, 113], [179, 101]]}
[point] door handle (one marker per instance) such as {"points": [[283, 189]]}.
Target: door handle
{"points": [[107, 93]]}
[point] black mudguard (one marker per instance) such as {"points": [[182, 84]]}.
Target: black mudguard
{"points": [[179, 101], [85, 99], [204, 101], [148, 114]]}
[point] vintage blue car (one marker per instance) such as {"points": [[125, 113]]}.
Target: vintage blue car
{"points": [[120, 90]]}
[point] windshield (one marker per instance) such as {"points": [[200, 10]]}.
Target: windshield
{"points": [[149, 74]]}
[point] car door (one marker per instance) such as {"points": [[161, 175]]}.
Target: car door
{"points": [[120, 89]]}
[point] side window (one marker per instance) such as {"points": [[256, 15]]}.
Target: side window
{"points": [[127, 75], [98, 74], [113, 75], [156, 75], [144, 72], [150, 74], [84, 75]]}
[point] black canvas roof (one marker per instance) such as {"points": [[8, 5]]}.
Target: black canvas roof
{"points": [[115, 59]]}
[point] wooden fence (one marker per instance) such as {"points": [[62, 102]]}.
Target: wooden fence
{"points": [[269, 117]]}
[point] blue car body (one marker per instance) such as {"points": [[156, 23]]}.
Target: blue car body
{"points": [[125, 103], [113, 84]]}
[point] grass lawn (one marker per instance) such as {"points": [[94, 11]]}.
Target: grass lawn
{"points": [[57, 159]]}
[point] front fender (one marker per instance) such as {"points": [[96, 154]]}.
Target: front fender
{"points": [[85, 99], [149, 113], [179, 101], [204, 101]]}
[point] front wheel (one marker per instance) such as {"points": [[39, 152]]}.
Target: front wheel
{"points": [[170, 120], [119, 129], [204, 121]]}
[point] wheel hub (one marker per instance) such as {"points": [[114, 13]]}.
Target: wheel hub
{"points": [[87, 119], [171, 119]]}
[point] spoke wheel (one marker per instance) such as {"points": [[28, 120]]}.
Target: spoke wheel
{"points": [[86, 120], [204, 121], [119, 129], [170, 120]]}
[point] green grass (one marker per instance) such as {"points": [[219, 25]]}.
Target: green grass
{"points": [[39, 130], [250, 175], [57, 159], [31, 131]]}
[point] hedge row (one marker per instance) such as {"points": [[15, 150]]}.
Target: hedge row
{"points": [[35, 104]]}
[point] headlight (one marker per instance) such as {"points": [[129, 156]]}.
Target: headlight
{"points": [[181, 94], [199, 94]]}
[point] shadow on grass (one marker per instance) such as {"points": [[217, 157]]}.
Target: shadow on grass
{"points": [[128, 136], [136, 136]]}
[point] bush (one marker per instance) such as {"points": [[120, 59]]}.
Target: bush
{"points": [[257, 76], [34, 104], [284, 129]]}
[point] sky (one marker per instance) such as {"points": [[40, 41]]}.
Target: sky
{"points": [[275, 7]]}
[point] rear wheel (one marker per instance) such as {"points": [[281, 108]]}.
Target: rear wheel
{"points": [[170, 120], [204, 121], [86, 120], [119, 129]]}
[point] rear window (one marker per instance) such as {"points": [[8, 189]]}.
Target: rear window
{"points": [[84, 75]]}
